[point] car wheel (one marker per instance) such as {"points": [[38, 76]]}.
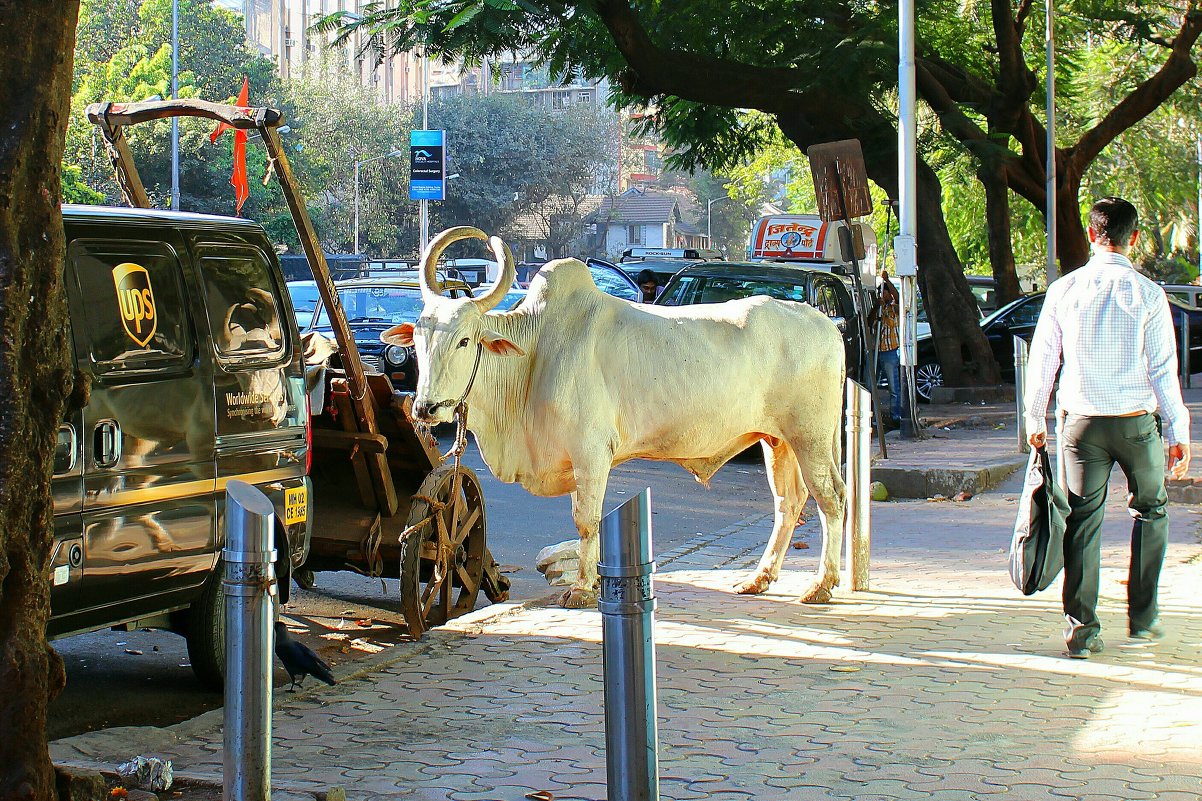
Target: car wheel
{"points": [[926, 378], [206, 632]]}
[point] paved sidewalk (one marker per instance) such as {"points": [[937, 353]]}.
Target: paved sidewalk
{"points": [[942, 683]]}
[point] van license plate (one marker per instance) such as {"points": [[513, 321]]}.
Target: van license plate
{"points": [[296, 506]]}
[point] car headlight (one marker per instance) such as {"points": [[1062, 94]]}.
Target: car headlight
{"points": [[396, 354]]}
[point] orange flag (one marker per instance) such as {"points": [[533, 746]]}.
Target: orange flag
{"points": [[238, 179]]}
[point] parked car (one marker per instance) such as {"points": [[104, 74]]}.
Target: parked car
{"points": [[716, 282], [664, 262], [608, 278], [305, 298], [190, 374], [1189, 294], [375, 304], [1018, 318], [614, 281]]}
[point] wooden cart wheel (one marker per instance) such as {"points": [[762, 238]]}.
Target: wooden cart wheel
{"points": [[442, 560]]}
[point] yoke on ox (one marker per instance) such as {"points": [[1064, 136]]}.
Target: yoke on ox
{"points": [[574, 382]]}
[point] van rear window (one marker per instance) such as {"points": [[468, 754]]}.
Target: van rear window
{"points": [[243, 305], [133, 305]]}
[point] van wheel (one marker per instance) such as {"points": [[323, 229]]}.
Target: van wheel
{"points": [[206, 632]]}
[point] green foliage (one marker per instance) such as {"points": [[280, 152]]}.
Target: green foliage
{"points": [[1105, 49], [75, 190], [513, 155]]}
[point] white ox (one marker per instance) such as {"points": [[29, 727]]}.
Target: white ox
{"points": [[574, 382]]}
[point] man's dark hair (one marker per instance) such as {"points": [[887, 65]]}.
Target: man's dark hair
{"points": [[646, 277], [1113, 221]]}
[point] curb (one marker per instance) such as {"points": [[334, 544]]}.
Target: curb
{"points": [[927, 482], [1186, 490]]}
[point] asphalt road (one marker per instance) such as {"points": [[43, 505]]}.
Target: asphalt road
{"points": [[143, 678]]}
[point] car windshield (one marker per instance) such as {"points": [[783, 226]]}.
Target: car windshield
{"points": [[718, 289], [305, 297], [1005, 310], [377, 304], [512, 298]]}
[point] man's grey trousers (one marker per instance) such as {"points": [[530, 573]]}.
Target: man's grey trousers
{"points": [[1091, 446]]}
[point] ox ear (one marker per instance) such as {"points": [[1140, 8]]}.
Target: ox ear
{"points": [[399, 335], [500, 345]]}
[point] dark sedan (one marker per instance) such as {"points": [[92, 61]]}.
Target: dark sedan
{"points": [[715, 282], [373, 305], [1018, 318]]}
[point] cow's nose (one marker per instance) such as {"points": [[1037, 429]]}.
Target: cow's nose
{"points": [[423, 410]]}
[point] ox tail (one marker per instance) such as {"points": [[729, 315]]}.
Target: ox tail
{"points": [[837, 435]]}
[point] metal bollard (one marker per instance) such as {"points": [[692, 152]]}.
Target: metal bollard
{"points": [[250, 591], [857, 521], [627, 607], [1021, 350], [1185, 365]]}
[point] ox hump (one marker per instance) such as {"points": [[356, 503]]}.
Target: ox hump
{"points": [[562, 277]]}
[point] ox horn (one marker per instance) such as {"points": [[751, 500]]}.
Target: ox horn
{"points": [[431, 287], [504, 257]]}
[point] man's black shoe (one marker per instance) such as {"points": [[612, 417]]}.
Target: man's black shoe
{"points": [[1094, 646], [1153, 631]]}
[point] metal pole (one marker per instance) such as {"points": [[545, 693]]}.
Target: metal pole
{"points": [[174, 96], [423, 206], [250, 591], [1020, 390], [905, 246], [857, 524], [1185, 366], [357, 163], [1050, 47], [628, 647], [1198, 233]]}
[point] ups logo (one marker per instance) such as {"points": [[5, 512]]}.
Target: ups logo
{"points": [[136, 299]]}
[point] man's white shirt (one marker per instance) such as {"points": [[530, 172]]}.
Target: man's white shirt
{"points": [[1112, 329]]}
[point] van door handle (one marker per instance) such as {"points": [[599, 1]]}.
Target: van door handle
{"points": [[106, 443]]}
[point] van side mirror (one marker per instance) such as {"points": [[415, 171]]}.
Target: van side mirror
{"points": [[851, 239], [840, 323]]}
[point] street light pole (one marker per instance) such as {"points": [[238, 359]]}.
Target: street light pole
{"points": [[359, 164], [1050, 47], [175, 96], [709, 220], [423, 205]]}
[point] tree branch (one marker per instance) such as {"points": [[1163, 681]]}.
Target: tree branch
{"points": [[1177, 69], [654, 70]]}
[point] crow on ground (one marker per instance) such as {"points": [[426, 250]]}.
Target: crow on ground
{"points": [[299, 659]]}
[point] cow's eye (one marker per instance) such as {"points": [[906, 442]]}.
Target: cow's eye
{"points": [[463, 342]]}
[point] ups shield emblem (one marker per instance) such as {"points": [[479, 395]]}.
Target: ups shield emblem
{"points": [[135, 297]]}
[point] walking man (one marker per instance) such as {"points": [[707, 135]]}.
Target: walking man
{"points": [[1112, 331]]}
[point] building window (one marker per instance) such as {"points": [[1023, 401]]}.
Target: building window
{"points": [[634, 235], [586, 97]]}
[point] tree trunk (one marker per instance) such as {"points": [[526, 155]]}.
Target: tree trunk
{"points": [[997, 226], [963, 351], [37, 40], [1072, 243]]}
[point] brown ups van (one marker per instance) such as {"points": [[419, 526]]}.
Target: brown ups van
{"points": [[189, 374]]}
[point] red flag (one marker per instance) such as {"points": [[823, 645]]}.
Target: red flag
{"points": [[238, 179]]}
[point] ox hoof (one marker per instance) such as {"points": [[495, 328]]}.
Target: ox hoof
{"points": [[818, 594], [577, 598], [753, 586]]}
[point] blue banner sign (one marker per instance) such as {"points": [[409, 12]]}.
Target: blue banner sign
{"points": [[427, 165]]}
